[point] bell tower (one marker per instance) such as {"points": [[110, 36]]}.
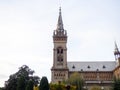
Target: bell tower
{"points": [[59, 71]]}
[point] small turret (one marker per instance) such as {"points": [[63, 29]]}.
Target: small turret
{"points": [[116, 51], [117, 54]]}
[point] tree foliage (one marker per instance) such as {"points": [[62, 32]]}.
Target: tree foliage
{"points": [[20, 79], [44, 85], [35, 87], [1, 88], [76, 80], [30, 85], [57, 86], [21, 83], [116, 85], [95, 88]]}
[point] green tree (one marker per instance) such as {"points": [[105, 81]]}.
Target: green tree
{"points": [[57, 86], [116, 85], [62, 86], [23, 76], [11, 83], [21, 84], [35, 87], [44, 85], [76, 80], [1, 88], [29, 85]]}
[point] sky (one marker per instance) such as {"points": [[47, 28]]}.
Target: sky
{"points": [[26, 30]]}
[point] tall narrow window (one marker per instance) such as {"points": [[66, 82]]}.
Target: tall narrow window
{"points": [[58, 51], [60, 54], [61, 51]]}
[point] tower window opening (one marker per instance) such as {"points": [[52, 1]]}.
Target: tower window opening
{"points": [[57, 51], [61, 51]]}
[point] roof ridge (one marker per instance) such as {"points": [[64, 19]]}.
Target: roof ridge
{"points": [[88, 61]]}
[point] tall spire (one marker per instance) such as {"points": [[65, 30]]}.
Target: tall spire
{"points": [[60, 32], [116, 49], [60, 22]]}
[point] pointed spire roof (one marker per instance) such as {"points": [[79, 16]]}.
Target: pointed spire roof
{"points": [[116, 49], [60, 32], [60, 22]]}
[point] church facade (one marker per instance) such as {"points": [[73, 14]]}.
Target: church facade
{"points": [[100, 73]]}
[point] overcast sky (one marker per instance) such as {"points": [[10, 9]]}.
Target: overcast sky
{"points": [[26, 29]]}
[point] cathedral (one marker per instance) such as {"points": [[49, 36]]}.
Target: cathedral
{"points": [[94, 73]]}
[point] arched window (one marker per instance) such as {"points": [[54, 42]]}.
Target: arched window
{"points": [[60, 54], [59, 50]]}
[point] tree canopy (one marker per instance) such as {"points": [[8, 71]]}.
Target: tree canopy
{"points": [[116, 84], [21, 79], [44, 85], [76, 80]]}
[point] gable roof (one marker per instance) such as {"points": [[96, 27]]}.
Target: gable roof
{"points": [[91, 66]]}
